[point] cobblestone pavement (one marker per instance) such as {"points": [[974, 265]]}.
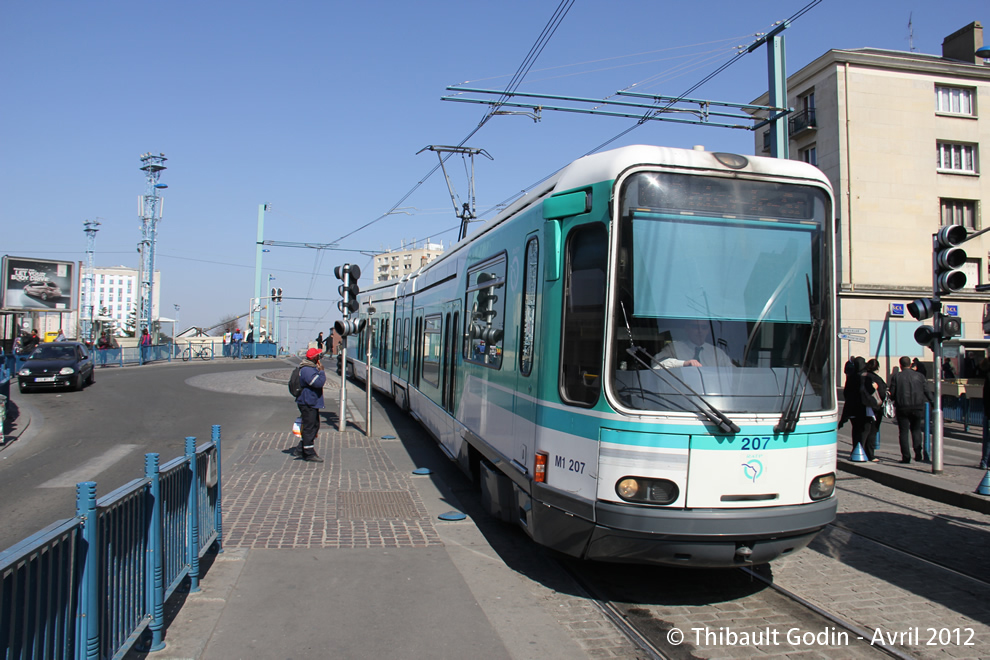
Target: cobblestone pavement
{"points": [[357, 499], [880, 589]]}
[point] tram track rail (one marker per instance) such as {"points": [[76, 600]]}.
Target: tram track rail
{"points": [[649, 635], [860, 632], [914, 555]]}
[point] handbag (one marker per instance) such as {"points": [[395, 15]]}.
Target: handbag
{"points": [[888, 407]]}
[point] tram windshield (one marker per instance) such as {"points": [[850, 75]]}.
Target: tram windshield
{"points": [[722, 293]]}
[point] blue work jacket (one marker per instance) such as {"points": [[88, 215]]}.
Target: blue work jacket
{"points": [[312, 380]]}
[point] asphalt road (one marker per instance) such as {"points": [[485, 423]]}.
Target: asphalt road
{"points": [[102, 433]]}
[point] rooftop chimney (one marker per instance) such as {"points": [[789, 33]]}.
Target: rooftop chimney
{"points": [[963, 44]]}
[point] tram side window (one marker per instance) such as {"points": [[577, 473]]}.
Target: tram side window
{"points": [[431, 350], [486, 316], [582, 344], [527, 333]]}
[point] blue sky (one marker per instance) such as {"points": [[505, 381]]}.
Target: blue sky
{"points": [[319, 109]]}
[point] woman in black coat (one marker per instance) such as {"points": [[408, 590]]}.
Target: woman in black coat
{"points": [[854, 410]]}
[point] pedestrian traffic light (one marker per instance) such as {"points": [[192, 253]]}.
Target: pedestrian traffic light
{"points": [[949, 259], [951, 326], [349, 275]]}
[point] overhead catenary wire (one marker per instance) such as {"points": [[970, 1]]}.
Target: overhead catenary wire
{"points": [[517, 78]]}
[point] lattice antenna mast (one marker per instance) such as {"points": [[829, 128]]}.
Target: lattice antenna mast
{"points": [[150, 207], [467, 212], [86, 320]]}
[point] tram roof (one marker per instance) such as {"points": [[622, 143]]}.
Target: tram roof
{"points": [[608, 165]]}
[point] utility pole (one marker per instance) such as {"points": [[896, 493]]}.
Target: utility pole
{"points": [[86, 322]]}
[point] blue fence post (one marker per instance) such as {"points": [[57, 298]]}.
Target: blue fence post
{"points": [[193, 544], [964, 406], [219, 510], [89, 598], [155, 565]]}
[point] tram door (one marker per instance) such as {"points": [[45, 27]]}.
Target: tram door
{"points": [[524, 408], [451, 344]]}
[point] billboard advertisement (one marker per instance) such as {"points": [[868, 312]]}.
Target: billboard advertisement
{"points": [[38, 285]]}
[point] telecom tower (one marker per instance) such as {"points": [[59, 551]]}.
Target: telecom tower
{"points": [[86, 320], [150, 207]]}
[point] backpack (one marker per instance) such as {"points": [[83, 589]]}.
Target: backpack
{"points": [[295, 384]]}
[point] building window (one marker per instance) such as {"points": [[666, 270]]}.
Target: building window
{"points": [[956, 157], [810, 155], [958, 212], [954, 101]]}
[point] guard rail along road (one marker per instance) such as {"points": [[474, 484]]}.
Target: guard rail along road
{"points": [[90, 586]]}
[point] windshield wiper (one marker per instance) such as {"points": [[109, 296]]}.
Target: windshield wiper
{"points": [[713, 414], [792, 412]]}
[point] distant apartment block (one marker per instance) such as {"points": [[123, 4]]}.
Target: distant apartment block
{"points": [[395, 264]]}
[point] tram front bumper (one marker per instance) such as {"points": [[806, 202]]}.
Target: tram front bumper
{"points": [[705, 537]]}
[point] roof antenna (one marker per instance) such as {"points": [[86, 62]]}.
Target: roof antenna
{"points": [[911, 32]]}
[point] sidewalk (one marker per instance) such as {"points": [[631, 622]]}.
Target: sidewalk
{"points": [[349, 559]]}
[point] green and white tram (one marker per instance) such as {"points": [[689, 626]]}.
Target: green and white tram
{"points": [[635, 363]]}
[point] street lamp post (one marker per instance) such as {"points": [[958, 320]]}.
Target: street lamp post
{"points": [[175, 324]]}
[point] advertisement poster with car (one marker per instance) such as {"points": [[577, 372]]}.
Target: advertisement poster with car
{"points": [[38, 284]]}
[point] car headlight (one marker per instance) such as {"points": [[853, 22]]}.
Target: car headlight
{"points": [[822, 486], [65, 371], [24, 372]]}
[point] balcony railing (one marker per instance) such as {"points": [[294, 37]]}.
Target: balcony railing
{"points": [[802, 121], [797, 123]]}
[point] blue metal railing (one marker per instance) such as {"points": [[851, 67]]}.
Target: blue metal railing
{"points": [[89, 587], [963, 410]]}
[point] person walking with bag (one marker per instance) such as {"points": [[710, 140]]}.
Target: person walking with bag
{"points": [[310, 401]]}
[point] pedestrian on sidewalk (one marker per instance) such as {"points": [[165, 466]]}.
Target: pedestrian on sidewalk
{"points": [[985, 456], [319, 342], [310, 401], [875, 393], [235, 345], [910, 391], [853, 409]]}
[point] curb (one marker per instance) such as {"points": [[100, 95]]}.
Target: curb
{"points": [[930, 491]]}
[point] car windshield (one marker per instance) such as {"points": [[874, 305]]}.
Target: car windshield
{"points": [[722, 287], [48, 352]]}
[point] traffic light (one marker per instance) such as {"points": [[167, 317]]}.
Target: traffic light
{"points": [[346, 328], [923, 308], [349, 275], [925, 335], [276, 295], [949, 259]]}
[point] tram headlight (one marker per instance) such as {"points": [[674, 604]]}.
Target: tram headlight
{"points": [[647, 491], [822, 486]]}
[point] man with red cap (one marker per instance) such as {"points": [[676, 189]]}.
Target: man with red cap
{"points": [[309, 402]]}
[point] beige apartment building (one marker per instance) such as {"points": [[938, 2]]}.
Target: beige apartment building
{"points": [[392, 265], [904, 139]]}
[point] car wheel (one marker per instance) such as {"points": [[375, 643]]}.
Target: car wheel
{"points": [[78, 383], [92, 376]]}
